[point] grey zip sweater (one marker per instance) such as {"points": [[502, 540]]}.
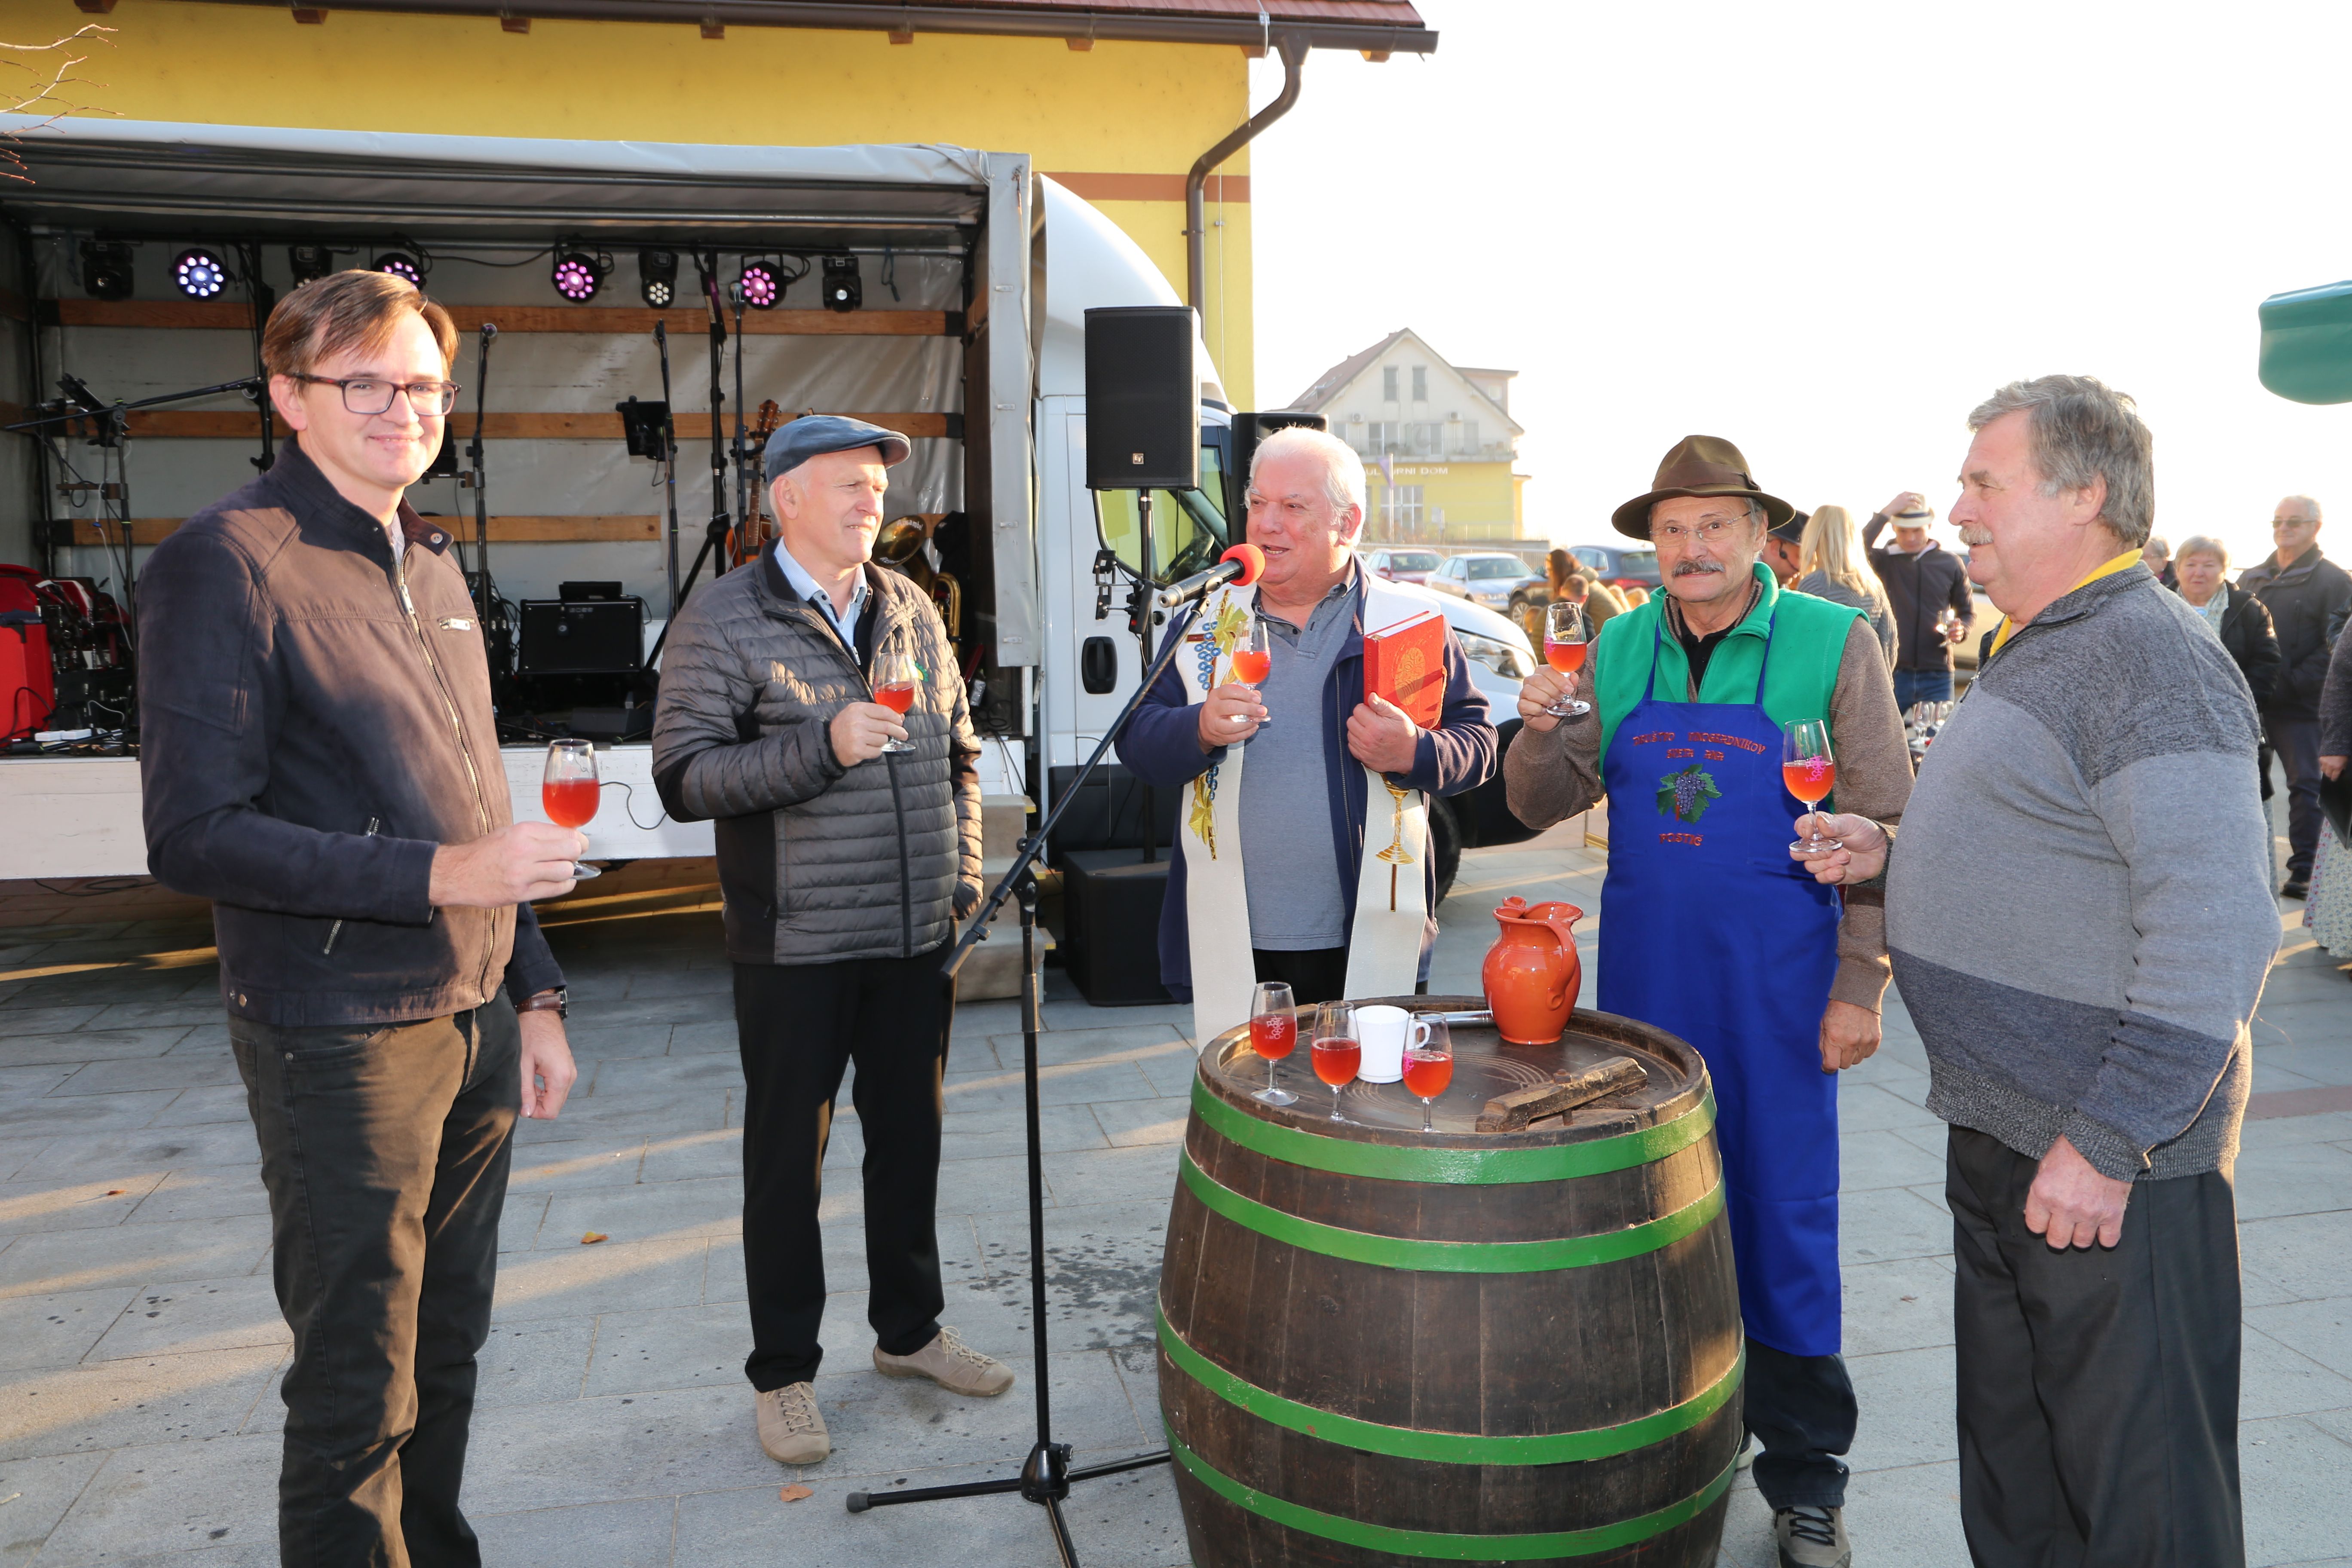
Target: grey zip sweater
{"points": [[2079, 909]]}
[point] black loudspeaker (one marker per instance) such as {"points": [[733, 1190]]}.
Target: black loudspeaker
{"points": [[1110, 920], [583, 636], [1249, 429], [1143, 399]]}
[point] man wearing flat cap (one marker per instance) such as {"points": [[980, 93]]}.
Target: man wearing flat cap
{"points": [[1712, 928], [844, 862]]}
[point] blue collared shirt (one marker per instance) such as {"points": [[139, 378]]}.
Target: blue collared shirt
{"points": [[806, 588]]}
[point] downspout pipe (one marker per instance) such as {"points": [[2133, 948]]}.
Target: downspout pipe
{"points": [[1294, 58]]}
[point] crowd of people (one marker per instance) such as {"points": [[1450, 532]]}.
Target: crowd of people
{"points": [[317, 730]]}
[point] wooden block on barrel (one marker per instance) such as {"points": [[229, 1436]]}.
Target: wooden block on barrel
{"points": [[1510, 1113]]}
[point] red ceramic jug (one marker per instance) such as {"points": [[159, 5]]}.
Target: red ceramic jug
{"points": [[1532, 973]]}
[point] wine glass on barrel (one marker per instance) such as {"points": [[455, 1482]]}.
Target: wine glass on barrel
{"points": [[895, 677], [1338, 1050], [1567, 634], [1429, 1065], [1809, 772], [569, 791], [1274, 1034]]}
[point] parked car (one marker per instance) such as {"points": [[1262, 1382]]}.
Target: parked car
{"points": [[1403, 565], [1498, 582], [1500, 655], [1620, 566]]}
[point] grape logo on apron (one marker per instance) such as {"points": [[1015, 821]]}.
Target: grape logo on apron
{"points": [[1684, 795]]}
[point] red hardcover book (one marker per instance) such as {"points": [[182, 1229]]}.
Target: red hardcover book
{"points": [[1405, 662]]}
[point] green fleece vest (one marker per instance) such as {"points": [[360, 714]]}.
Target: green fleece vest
{"points": [[1807, 645]]}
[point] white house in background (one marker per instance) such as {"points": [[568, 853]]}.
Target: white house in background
{"points": [[1438, 440]]}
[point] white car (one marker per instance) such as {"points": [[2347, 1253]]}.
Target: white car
{"points": [[1484, 578]]}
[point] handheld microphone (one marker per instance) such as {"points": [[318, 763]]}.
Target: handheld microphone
{"points": [[489, 330], [1242, 563]]}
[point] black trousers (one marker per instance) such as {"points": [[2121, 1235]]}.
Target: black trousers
{"points": [[799, 1027], [1313, 974], [1801, 1409], [385, 1155], [2296, 742], [2099, 1387]]}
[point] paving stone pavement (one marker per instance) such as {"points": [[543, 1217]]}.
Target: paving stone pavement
{"points": [[140, 1348]]}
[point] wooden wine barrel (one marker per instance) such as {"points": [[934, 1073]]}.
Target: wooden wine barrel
{"points": [[1379, 1346]]}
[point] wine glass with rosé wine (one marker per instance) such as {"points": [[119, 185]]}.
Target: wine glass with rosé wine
{"points": [[895, 678], [1337, 1049], [1567, 634], [1273, 1033], [1253, 659], [1811, 772], [569, 791], [1429, 1064]]}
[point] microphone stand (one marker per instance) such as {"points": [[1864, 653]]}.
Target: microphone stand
{"points": [[669, 471], [714, 535], [1045, 1474]]}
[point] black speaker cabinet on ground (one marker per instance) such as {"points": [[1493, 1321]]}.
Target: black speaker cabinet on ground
{"points": [[1143, 399], [583, 636], [1110, 926]]}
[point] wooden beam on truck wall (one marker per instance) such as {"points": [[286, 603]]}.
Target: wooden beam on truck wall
{"points": [[617, 529], [225, 315]]}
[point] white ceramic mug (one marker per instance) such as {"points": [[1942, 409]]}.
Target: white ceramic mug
{"points": [[1384, 1032]]}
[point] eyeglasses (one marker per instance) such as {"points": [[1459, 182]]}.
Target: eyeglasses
{"points": [[1713, 530], [365, 395]]}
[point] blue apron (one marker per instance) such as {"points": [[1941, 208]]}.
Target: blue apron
{"points": [[1712, 932]]}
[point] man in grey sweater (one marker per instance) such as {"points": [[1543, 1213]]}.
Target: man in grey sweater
{"points": [[2087, 1034]]}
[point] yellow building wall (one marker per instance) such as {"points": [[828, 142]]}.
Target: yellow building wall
{"points": [[1480, 499], [1118, 110]]}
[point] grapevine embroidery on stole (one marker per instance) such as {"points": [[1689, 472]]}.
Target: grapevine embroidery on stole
{"points": [[1215, 643]]}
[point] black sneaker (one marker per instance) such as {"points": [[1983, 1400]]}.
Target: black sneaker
{"points": [[1811, 1536], [2296, 887]]}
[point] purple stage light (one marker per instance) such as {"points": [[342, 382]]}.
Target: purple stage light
{"points": [[199, 274], [402, 267], [760, 285], [577, 277]]}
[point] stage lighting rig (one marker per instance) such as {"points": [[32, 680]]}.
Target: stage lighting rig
{"points": [[843, 290], [106, 268], [578, 275], [400, 264], [657, 278], [309, 262], [199, 273], [761, 285]]}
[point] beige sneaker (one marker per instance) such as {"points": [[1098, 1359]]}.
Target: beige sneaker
{"points": [[949, 1362], [1811, 1536], [791, 1429]]}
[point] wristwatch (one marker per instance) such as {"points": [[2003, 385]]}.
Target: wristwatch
{"points": [[551, 1001]]}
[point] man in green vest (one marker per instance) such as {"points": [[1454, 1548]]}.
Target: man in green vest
{"points": [[1711, 929]]}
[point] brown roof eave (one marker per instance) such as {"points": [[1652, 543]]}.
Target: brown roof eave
{"points": [[1023, 21]]}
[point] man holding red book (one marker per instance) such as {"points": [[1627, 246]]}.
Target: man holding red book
{"points": [[1711, 930], [1303, 791]]}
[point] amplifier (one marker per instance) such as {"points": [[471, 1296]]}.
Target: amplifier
{"points": [[583, 636], [1110, 917]]}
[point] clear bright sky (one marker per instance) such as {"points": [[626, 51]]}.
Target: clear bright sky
{"points": [[1825, 233]]}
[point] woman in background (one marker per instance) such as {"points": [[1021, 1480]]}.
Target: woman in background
{"points": [[2237, 617], [1830, 566]]}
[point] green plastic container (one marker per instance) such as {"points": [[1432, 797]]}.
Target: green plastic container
{"points": [[2307, 344]]}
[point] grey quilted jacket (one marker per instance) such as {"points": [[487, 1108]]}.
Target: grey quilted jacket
{"points": [[818, 863]]}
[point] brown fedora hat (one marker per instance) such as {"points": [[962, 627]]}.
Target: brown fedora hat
{"points": [[1698, 466]]}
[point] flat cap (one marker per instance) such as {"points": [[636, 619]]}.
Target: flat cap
{"points": [[1793, 531], [813, 435]]}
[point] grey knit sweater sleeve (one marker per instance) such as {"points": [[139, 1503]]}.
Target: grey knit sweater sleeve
{"points": [[2079, 909]]}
